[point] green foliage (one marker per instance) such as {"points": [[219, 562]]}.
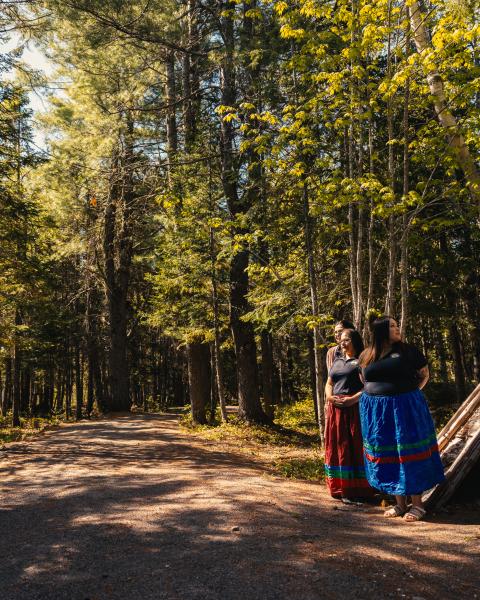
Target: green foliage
{"points": [[29, 428], [322, 139]]}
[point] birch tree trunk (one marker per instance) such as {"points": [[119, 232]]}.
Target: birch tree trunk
{"points": [[437, 90]]}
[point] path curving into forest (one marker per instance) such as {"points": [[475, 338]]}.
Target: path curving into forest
{"points": [[133, 508]]}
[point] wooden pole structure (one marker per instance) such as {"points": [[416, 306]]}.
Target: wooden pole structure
{"points": [[460, 433]]}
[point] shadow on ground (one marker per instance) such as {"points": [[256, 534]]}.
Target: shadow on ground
{"points": [[132, 508]]}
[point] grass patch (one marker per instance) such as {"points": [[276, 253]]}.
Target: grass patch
{"points": [[289, 448], [311, 469], [29, 427]]}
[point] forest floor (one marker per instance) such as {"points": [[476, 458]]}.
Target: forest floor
{"points": [[135, 507]]}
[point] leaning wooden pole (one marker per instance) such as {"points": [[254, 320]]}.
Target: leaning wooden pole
{"points": [[455, 474], [458, 420], [461, 438]]}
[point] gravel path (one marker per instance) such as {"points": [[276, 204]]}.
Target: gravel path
{"points": [[132, 508]]}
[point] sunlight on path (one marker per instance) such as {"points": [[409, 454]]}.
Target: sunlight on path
{"points": [[133, 508]]}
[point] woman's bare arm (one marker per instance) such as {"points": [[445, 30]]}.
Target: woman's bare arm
{"points": [[423, 377], [329, 390]]}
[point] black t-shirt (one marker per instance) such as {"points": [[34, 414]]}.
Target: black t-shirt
{"points": [[395, 373], [345, 375]]}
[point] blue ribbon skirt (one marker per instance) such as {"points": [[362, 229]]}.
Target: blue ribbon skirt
{"points": [[400, 444]]}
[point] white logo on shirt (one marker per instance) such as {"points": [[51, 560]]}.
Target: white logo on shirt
{"points": [[395, 355]]}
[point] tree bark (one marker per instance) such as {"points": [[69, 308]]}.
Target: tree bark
{"points": [[391, 229], [78, 382], [118, 252], [456, 349], [90, 389], [446, 118], [93, 351], [319, 382], [68, 388], [404, 293], [199, 378], [189, 77], [171, 119], [217, 359], [16, 363], [250, 407], [7, 387], [268, 384]]}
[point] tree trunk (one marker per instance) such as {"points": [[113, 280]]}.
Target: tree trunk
{"points": [[25, 387], [7, 387], [118, 252], [437, 90], [68, 390], [456, 349], [405, 224], [217, 360], [442, 355], [311, 369], [319, 382], [118, 364], [353, 254], [189, 77], [250, 407], [268, 384], [78, 382], [370, 240], [199, 379], [90, 390], [391, 230], [16, 362], [93, 353], [171, 119]]}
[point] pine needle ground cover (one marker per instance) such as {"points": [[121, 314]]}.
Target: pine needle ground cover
{"points": [[290, 448]]}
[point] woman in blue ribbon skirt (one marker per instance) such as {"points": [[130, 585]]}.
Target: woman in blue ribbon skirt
{"points": [[400, 444]]}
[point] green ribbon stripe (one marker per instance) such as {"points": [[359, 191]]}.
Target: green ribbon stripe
{"points": [[399, 447], [344, 474]]}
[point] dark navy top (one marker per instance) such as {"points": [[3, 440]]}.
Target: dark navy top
{"points": [[345, 375], [395, 373]]}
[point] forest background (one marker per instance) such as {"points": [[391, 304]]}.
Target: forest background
{"points": [[220, 181]]}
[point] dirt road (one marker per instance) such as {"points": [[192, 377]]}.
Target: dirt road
{"points": [[132, 508]]}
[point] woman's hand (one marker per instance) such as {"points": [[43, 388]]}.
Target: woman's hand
{"points": [[346, 401], [332, 399]]}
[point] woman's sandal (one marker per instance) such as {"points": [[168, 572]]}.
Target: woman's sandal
{"points": [[394, 511], [415, 513]]}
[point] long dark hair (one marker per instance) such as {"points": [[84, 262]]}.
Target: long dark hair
{"points": [[356, 340], [380, 329]]}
